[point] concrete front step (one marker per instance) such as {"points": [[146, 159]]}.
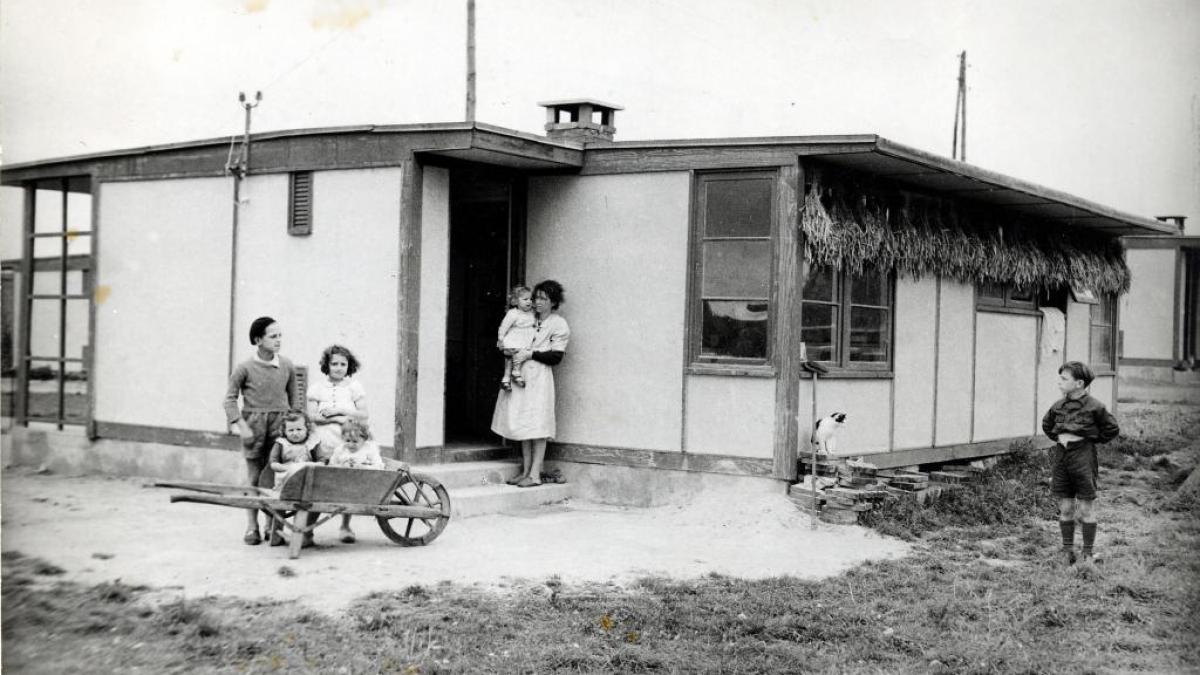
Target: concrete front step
{"points": [[478, 501], [457, 475]]}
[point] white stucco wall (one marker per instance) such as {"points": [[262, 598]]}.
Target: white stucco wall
{"points": [[1148, 309], [955, 363], [730, 415], [337, 285], [1005, 373], [162, 310], [435, 261], [916, 327], [618, 244], [867, 404]]}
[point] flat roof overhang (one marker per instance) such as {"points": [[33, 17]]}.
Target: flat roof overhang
{"points": [[350, 147], [880, 157], [375, 146]]}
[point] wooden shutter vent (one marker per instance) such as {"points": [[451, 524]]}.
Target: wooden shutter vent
{"points": [[300, 204]]}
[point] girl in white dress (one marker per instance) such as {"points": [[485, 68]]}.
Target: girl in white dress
{"points": [[332, 403]]}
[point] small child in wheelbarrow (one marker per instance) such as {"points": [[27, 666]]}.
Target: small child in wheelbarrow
{"points": [[357, 451]]}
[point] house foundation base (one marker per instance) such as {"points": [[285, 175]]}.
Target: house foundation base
{"points": [[70, 452]]}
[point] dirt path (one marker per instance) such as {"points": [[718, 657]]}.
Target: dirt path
{"points": [[101, 529]]}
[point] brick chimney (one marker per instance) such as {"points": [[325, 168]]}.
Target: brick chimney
{"points": [[581, 120]]}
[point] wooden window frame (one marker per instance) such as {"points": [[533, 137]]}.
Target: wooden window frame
{"points": [[1108, 300], [1008, 303], [707, 364], [300, 203], [841, 365]]}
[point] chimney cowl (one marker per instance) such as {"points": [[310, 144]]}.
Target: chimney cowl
{"points": [[1177, 221], [581, 120]]}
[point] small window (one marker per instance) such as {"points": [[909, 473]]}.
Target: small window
{"points": [[846, 318], [1102, 352], [300, 203], [733, 240], [1004, 297]]}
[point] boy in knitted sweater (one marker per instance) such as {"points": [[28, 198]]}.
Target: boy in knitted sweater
{"points": [[266, 383]]}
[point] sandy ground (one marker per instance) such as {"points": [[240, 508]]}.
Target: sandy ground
{"points": [[102, 529]]}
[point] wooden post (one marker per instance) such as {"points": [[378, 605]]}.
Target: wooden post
{"points": [[24, 351], [790, 275], [408, 311], [299, 522]]}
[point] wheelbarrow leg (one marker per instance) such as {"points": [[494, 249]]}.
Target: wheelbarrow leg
{"points": [[299, 534]]}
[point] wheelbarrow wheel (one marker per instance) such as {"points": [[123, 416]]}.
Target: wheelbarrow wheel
{"points": [[416, 490]]}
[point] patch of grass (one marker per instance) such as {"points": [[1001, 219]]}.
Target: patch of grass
{"points": [[1009, 495]]}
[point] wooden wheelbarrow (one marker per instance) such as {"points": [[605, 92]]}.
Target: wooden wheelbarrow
{"points": [[412, 509]]}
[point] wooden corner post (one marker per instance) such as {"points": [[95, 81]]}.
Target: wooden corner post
{"points": [[408, 310], [789, 278]]}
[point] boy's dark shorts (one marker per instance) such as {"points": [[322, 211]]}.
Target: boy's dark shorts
{"points": [[267, 426], [1075, 472]]}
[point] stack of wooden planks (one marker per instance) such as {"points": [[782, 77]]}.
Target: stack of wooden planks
{"points": [[847, 488]]}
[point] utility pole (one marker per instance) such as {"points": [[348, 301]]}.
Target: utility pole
{"points": [[960, 111], [470, 60], [239, 169]]}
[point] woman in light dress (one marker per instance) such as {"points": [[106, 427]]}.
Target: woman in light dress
{"points": [[526, 414]]}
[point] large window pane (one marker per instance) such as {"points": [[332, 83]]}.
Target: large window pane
{"points": [[737, 269], [819, 331], [991, 292], [820, 284], [868, 288], [735, 328], [44, 328], [738, 208], [868, 334]]}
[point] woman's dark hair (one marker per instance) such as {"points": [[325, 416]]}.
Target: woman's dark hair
{"points": [[258, 328], [553, 291], [352, 364]]}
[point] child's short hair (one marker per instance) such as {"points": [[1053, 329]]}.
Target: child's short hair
{"points": [[515, 294], [356, 428], [258, 328], [1079, 370], [293, 415], [352, 363]]}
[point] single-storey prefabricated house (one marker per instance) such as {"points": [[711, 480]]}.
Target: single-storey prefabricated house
{"points": [[700, 276]]}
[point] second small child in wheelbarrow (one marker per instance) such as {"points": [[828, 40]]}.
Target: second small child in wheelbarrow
{"points": [[357, 451]]}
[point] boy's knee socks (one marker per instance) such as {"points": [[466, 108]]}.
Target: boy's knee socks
{"points": [[1089, 537], [1068, 532]]}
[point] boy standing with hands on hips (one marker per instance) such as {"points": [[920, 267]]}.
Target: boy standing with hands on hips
{"points": [[265, 382], [1076, 423]]}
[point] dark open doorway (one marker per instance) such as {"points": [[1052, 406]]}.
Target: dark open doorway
{"points": [[487, 234]]}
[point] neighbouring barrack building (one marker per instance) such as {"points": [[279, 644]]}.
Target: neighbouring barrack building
{"points": [[700, 274], [1160, 331]]}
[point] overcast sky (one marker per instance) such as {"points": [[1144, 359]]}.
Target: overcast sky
{"points": [[1100, 98]]}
